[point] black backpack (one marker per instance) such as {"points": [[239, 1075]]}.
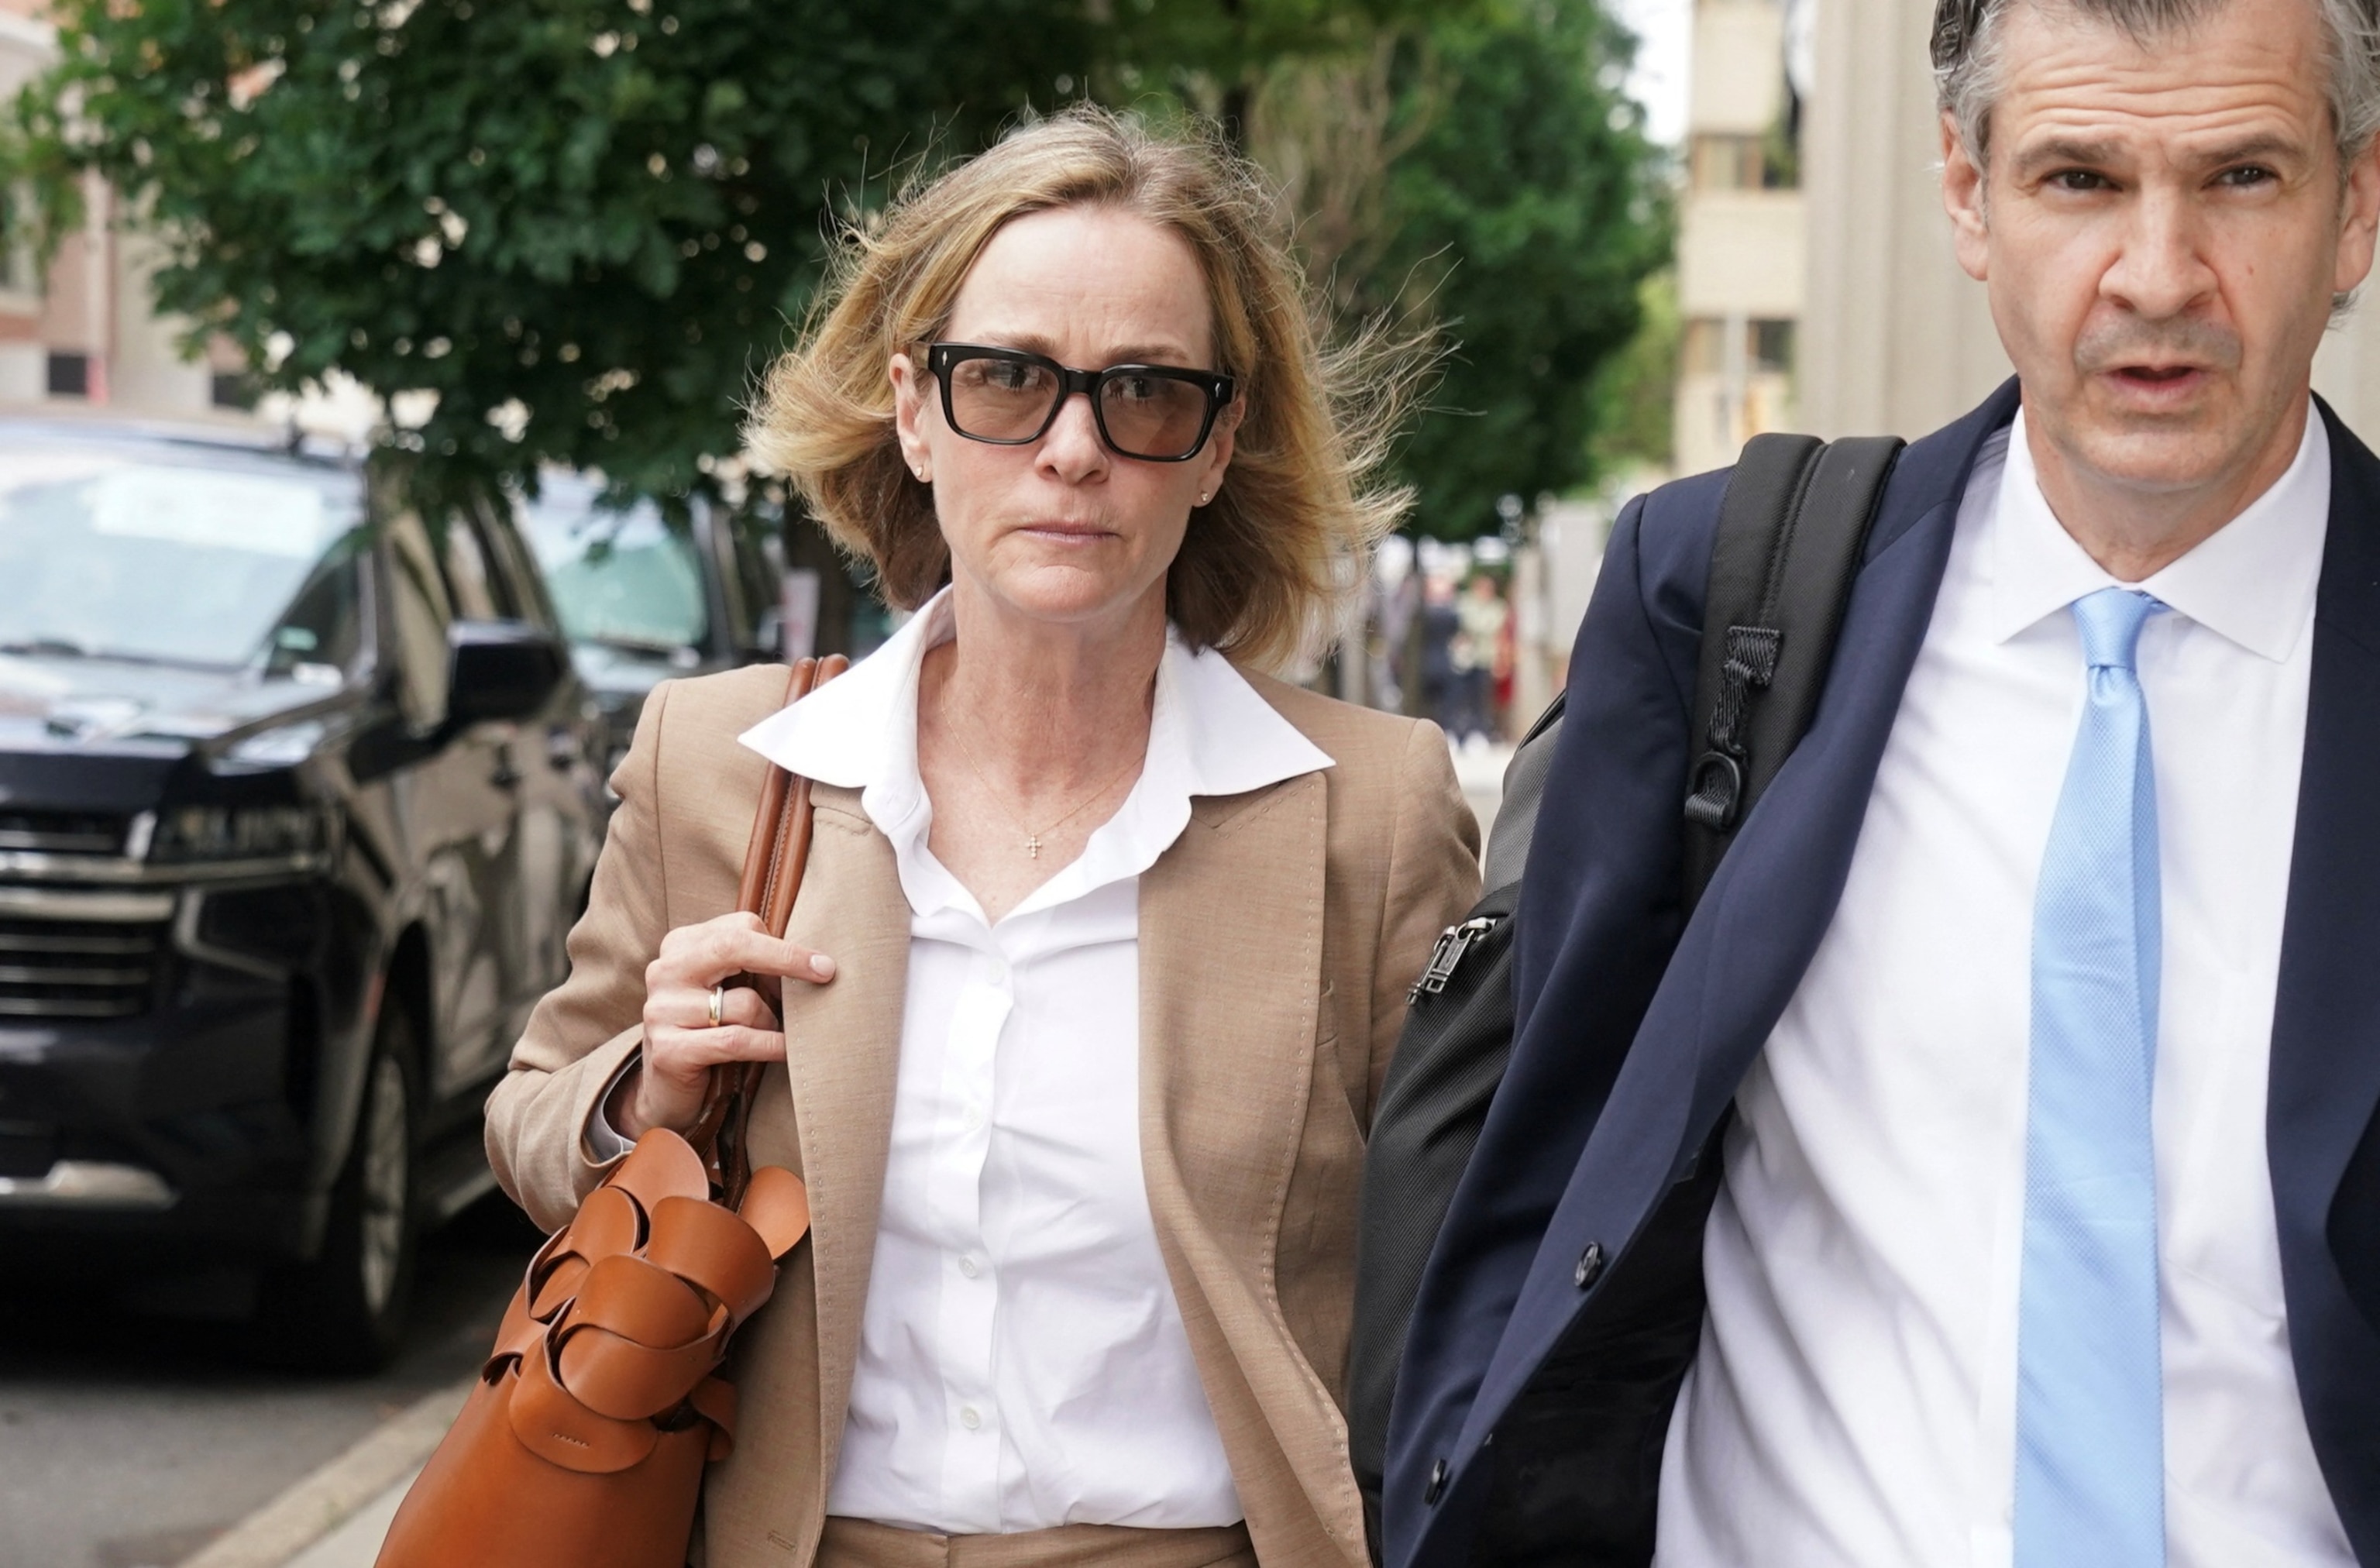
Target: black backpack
{"points": [[1790, 531]]}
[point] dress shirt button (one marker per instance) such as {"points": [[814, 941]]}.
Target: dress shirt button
{"points": [[999, 972], [970, 1417], [973, 1118], [1436, 1484], [1590, 1265], [968, 1267]]}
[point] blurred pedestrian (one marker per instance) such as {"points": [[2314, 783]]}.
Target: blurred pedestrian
{"points": [[1120, 927], [1484, 615], [1443, 657], [1988, 1172]]}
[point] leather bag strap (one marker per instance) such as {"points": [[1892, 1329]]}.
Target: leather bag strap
{"points": [[774, 860]]}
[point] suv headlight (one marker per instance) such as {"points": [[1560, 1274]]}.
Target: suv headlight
{"points": [[188, 834]]}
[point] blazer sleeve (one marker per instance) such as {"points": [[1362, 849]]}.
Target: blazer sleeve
{"points": [[1433, 879], [586, 1030]]}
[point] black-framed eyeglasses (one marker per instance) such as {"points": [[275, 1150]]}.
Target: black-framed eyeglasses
{"points": [[1010, 397]]}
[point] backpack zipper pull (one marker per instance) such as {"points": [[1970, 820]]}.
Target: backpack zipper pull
{"points": [[1452, 945]]}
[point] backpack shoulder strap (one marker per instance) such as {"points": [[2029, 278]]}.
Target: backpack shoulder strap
{"points": [[1791, 528]]}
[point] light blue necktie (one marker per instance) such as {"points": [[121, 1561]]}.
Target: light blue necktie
{"points": [[2090, 1412]]}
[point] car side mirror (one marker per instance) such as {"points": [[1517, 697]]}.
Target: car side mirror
{"points": [[500, 670]]}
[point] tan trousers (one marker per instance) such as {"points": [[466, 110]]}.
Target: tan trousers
{"points": [[856, 1543]]}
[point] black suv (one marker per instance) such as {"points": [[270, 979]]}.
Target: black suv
{"points": [[643, 602], [298, 800]]}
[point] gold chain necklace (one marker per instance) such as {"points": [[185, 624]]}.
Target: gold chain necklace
{"points": [[1033, 839]]}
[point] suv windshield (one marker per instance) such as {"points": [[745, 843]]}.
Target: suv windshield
{"points": [[626, 579], [184, 555]]}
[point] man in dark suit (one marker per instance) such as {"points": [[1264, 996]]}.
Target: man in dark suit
{"points": [[1988, 1173]]}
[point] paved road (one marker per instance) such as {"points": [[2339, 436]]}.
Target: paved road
{"points": [[132, 1433]]}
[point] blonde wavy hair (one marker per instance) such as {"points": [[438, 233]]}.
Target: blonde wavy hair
{"points": [[1263, 562]]}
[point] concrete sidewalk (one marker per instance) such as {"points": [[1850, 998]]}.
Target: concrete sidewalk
{"points": [[356, 1543], [336, 1517]]}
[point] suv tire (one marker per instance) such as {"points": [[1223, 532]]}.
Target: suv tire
{"points": [[344, 1311]]}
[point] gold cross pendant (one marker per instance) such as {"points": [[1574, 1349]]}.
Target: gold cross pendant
{"points": [[1033, 846]]}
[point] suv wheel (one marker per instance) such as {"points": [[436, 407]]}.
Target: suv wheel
{"points": [[344, 1311]]}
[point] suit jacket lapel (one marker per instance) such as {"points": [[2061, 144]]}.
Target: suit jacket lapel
{"points": [[1753, 935], [1774, 897], [2325, 1053], [842, 1062]]}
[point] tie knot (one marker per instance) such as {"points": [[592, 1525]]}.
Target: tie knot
{"points": [[2110, 621]]}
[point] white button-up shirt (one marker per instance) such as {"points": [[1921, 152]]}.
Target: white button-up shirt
{"points": [[1854, 1401], [1022, 1359]]}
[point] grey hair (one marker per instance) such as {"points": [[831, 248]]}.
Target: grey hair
{"points": [[1966, 58]]}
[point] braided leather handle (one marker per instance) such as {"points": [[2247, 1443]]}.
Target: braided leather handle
{"points": [[773, 861]]}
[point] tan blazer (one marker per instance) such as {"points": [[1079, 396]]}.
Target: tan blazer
{"points": [[1278, 937]]}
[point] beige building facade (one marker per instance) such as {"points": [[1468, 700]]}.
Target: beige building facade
{"points": [[81, 332], [1896, 336], [1741, 239]]}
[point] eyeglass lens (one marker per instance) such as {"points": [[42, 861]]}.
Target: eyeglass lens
{"points": [[1012, 400]]}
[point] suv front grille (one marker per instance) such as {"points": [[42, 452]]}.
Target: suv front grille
{"points": [[78, 968], [62, 832]]}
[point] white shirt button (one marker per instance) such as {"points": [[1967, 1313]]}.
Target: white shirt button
{"points": [[970, 1417], [999, 972], [973, 1118], [970, 1268]]}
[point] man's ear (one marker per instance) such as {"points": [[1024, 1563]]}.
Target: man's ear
{"points": [[2358, 219], [1963, 198]]}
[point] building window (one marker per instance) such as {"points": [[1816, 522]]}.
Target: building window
{"points": [[1772, 347], [1768, 347], [1742, 162], [1726, 163], [1705, 353], [69, 375], [231, 389]]}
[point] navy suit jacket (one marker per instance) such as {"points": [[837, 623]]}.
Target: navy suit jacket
{"points": [[1634, 1026]]}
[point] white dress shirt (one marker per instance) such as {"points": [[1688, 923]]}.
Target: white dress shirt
{"points": [[1022, 1359], [1854, 1400]]}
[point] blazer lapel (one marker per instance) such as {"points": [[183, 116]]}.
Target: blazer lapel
{"points": [[1231, 965], [2325, 1077], [842, 1058]]}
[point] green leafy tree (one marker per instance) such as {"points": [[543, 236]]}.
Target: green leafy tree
{"points": [[1218, 55], [1469, 169], [1525, 216], [1636, 392], [582, 224]]}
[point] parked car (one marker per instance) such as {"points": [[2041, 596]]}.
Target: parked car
{"points": [[298, 801], [642, 601]]}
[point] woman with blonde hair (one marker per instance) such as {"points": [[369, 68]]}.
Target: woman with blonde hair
{"points": [[1121, 928]]}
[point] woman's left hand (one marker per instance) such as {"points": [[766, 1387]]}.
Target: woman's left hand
{"points": [[697, 1019]]}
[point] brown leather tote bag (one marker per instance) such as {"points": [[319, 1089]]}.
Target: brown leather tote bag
{"points": [[583, 1445]]}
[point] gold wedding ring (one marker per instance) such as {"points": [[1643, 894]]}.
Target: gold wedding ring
{"points": [[718, 1004]]}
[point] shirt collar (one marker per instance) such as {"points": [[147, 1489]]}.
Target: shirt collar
{"points": [[2252, 581], [1210, 733]]}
